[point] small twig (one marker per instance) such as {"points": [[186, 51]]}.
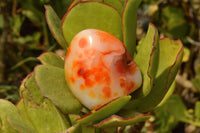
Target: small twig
{"points": [[185, 83], [14, 8], [190, 40]]}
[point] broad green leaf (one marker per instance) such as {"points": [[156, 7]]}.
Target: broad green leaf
{"points": [[164, 121], [76, 2], [73, 118], [20, 126], [129, 21], [32, 89], [39, 112], [74, 129], [104, 111], [28, 85], [147, 60], [115, 121], [170, 58], [123, 2], [168, 94], [91, 15], [49, 58], [52, 83], [44, 116], [88, 129], [21, 107], [7, 109], [175, 106], [116, 4], [54, 24]]}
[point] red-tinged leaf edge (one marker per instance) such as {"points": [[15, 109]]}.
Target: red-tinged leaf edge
{"points": [[153, 99], [91, 117], [54, 102], [139, 93], [96, 109], [50, 63], [120, 121], [23, 127], [180, 53], [22, 86], [63, 18], [131, 42], [44, 94], [63, 43]]}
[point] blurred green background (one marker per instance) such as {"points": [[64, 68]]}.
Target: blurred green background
{"points": [[24, 35]]}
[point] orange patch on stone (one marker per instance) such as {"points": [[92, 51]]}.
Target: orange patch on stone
{"points": [[115, 94], [72, 79], [106, 37], [83, 43], [133, 67], [127, 85], [122, 83], [106, 92], [92, 94], [121, 66], [82, 87]]}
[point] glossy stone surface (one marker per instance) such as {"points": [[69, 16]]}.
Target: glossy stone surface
{"points": [[98, 68]]}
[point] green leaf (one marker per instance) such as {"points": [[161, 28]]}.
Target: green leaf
{"points": [[168, 94], [104, 111], [170, 58], [116, 4], [129, 21], [7, 109], [32, 89], [74, 129], [115, 121], [175, 107], [49, 58], [52, 83], [77, 1], [73, 118], [165, 122], [44, 116], [37, 111], [20, 126], [147, 60], [123, 2], [91, 15], [179, 111], [88, 129], [21, 107], [54, 24]]}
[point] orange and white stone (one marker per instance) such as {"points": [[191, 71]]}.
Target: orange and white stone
{"points": [[98, 68]]}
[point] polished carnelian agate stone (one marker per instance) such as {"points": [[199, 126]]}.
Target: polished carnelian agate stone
{"points": [[98, 68]]}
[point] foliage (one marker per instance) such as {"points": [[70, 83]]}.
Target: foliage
{"points": [[159, 61]]}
